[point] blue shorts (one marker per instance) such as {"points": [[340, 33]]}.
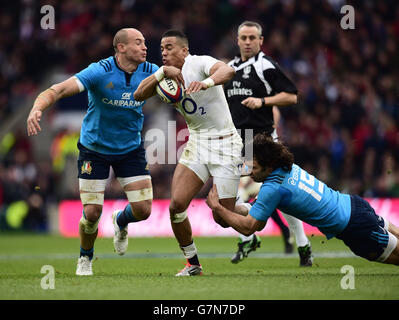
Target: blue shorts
{"points": [[366, 233], [94, 165]]}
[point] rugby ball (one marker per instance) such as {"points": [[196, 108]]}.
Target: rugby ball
{"points": [[169, 90]]}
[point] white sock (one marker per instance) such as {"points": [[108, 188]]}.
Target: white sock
{"points": [[189, 251], [245, 238], [296, 227]]}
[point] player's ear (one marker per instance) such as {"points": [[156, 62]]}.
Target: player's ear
{"points": [[121, 47], [261, 40]]}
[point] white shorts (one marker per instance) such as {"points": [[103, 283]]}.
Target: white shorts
{"points": [[219, 157]]}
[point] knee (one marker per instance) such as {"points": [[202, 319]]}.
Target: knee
{"points": [[177, 206], [92, 212], [88, 224], [177, 211], [142, 211]]}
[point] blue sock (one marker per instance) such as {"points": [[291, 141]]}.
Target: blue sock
{"points": [[126, 216], [88, 253]]}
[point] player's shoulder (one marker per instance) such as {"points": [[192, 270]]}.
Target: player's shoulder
{"points": [[95, 71], [106, 65], [275, 179], [197, 63], [148, 67], [270, 189], [202, 57], [103, 66]]}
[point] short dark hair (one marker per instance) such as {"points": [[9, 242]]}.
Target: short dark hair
{"points": [[178, 34], [250, 24], [272, 154]]}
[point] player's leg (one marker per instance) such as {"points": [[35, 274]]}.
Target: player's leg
{"points": [[393, 245], [394, 256], [92, 198], [370, 236], [247, 189], [393, 229], [245, 246], [285, 231], [88, 226], [139, 194], [93, 172], [186, 183], [302, 241], [226, 190], [244, 242], [132, 173]]}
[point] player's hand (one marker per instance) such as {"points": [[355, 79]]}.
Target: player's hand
{"points": [[174, 73], [34, 118], [252, 103], [196, 86], [213, 198]]}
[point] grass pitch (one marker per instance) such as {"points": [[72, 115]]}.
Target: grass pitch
{"points": [[147, 271]]}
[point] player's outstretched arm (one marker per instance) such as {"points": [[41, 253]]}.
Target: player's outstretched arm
{"points": [[47, 98], [245, 225]]}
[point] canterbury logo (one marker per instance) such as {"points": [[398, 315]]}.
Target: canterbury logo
{"points": [[109, 85]]}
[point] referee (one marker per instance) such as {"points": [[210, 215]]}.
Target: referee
{"points": [[258, 85]]}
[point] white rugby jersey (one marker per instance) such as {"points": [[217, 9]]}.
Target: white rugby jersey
{"points": [[206, 112]]}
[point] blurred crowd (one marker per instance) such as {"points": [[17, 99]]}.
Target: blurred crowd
{"points": [[344, 127]]}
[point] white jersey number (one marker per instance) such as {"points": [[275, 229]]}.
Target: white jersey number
{"points": [[307, 184]]}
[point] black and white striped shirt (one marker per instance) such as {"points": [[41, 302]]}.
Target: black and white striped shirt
{"points": [[257, 77]]}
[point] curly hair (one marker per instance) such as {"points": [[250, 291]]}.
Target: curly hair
{"points": [[269, 153]]}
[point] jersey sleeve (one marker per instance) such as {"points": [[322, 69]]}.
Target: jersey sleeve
{"points": [[278, 80], [267, 201], [89, 76], [207, 62]]}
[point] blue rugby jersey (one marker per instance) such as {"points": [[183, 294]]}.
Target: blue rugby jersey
{"points": [[301, 195], [114, 120]]}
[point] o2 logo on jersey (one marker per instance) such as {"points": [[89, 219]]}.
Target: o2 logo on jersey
{"points": [[190, 107]]}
